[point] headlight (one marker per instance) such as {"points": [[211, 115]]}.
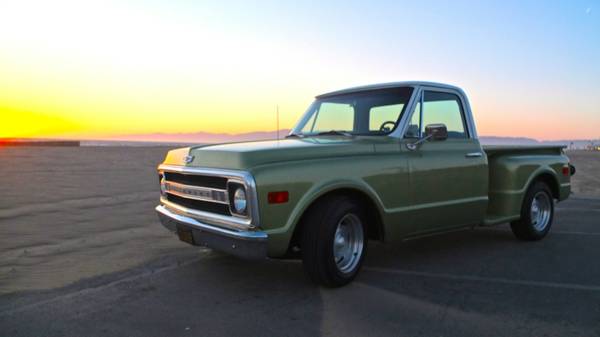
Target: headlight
{"points": [[239, 205], [239, 200]]}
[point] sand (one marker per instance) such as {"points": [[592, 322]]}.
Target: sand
{"points": [[586, 181], [73, 213]]}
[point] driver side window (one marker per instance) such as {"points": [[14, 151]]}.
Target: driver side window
{"points": [[384, 113], [438, 108]]}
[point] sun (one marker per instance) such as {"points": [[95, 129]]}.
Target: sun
{"points": [[22, 124]]}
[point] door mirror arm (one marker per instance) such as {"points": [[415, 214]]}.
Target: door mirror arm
{"points": [[415, 145]]}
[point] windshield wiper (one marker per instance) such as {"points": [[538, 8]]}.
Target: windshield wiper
{"points": [[295, 135], [335, 133]]}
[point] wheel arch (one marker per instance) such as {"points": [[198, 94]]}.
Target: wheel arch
{"points": [[524, 228], [547, 176], [367, 198]]}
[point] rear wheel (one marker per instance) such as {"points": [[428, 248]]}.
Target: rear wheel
{"points": [[334, 241], [537, 213]]}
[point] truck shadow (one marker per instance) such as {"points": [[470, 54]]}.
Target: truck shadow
{"points": [[441, 249], [375, 303]]}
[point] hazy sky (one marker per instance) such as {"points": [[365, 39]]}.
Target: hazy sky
{"points": [[101, 68]]}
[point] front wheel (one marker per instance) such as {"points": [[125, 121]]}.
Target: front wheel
{"points": [[537, 214], [334, 241]]}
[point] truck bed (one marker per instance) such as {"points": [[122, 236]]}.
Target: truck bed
{"points": [[493, 150], [511, 170]]}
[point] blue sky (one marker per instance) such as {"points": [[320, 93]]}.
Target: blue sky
{"points": [[541, 55], [531, 68]]}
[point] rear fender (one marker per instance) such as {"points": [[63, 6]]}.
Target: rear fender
{"points": [[507, 203]]}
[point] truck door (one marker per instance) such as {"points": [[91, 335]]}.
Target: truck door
{"points": [[448, 178]]}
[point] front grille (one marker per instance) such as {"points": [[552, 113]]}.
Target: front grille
{"points": [[200, 205], [197, 180], [206, 193]]}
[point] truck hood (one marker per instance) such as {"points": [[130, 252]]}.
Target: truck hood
{"points": [[243, 156]]}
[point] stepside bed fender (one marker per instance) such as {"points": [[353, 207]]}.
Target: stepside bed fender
{"points": [[506, 201], [549, 176]]}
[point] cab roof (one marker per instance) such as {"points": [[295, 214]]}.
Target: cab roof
{"points": [[389, 85]]}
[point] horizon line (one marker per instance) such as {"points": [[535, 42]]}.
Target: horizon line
{"points": [[137, 137]]}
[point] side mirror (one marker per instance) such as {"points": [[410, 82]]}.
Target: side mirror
{"points": [[436, 132]]}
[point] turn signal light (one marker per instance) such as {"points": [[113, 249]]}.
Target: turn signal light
{"points": [[278, 197], [566, 170]]}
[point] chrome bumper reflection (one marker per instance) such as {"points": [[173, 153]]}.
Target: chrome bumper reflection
{"points": [[195, 224]]}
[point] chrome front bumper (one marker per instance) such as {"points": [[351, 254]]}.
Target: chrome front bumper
{"points": [[246, 244]]}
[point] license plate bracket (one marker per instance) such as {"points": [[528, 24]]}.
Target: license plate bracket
{"points": [[185, 235]]}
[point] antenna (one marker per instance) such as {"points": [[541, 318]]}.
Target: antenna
{"points": [[277, 109]]}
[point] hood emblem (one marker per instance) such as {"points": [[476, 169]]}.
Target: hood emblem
{"points": [[188, 159]]}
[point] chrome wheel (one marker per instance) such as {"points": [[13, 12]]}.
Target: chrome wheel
{"points": [[540, 212], [348, 243]]}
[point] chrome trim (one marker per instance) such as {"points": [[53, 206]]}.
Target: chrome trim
{"points": [[540, 211], [408, 112], [232, 207], [402, 123], [242, 177], [188, 159], [243, 235], [297, 129], [226, 221], [418, 87], [466, 107], [348, 243], [184, 194], [418, 92], [473, 154]]}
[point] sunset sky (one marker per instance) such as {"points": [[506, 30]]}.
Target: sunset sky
{"points": [[97, 69]]}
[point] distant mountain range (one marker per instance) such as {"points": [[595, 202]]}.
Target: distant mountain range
{"points": [[203, 137], [208, 137], [574, 144]]}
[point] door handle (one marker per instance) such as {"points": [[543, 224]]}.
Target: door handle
{"points": [[473, 154]]}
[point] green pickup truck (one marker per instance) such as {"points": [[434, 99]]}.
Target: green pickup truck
{"points": [[386, 162]]}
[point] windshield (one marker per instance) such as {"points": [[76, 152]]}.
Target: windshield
{"points": [[374, 112]]}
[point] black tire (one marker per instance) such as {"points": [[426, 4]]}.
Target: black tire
{"points": [[525, 228], [318, 233]]}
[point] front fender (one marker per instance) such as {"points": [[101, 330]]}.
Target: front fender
{"points": [[308, 181], [280, 237], [319, 190]]}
